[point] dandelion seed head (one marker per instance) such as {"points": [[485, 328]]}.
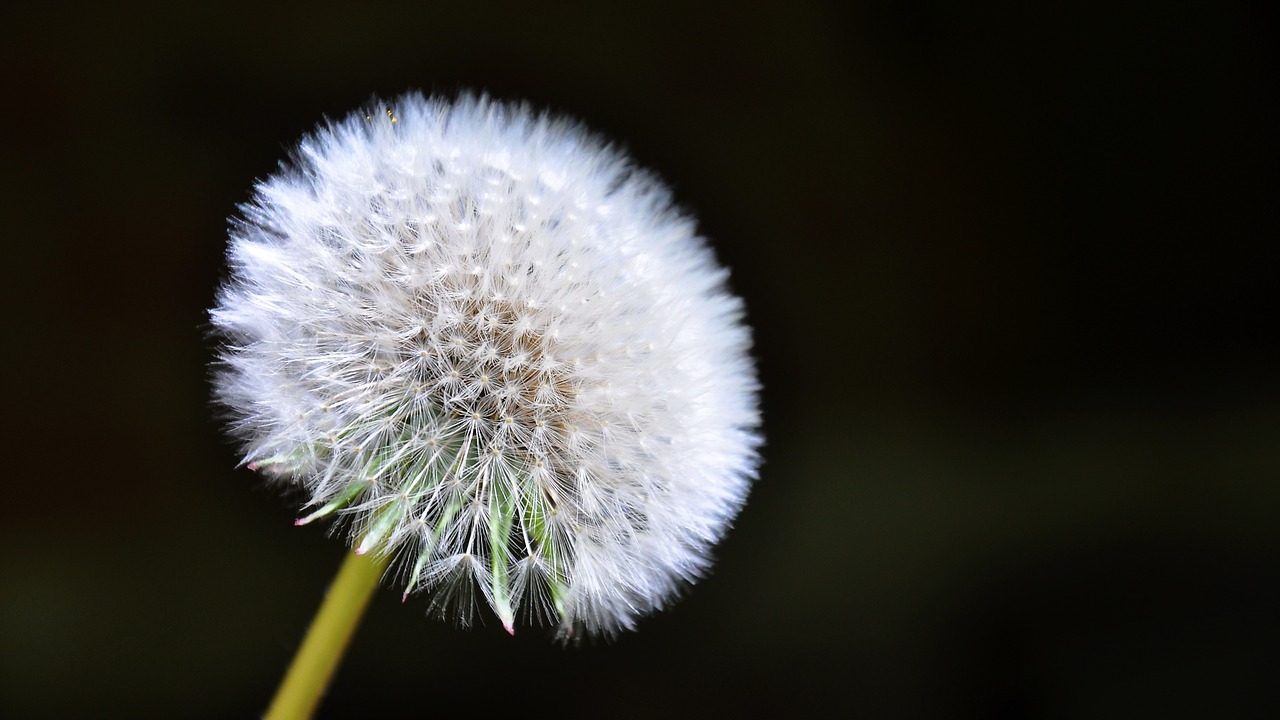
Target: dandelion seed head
{"points": [[488, 342]]}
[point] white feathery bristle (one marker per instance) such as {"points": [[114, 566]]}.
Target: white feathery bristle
{"points": [[488, 341]]}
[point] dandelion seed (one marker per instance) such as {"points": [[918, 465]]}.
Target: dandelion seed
{"points": [[533, 386]]}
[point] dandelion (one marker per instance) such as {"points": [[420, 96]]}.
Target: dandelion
{"points": [[486, 342]]}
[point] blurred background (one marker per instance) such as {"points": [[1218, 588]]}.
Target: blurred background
{"points": [[1012, 271]]}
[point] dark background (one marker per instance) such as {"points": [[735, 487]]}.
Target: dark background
{"points": [[1012, 272]]}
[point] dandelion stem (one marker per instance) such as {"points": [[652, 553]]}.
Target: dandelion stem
{"points": [[327, 638]]}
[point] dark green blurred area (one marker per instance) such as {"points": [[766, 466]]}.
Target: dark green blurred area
{"points": [[1013, 277]]}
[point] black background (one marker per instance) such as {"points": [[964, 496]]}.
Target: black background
{"points": [[1012, 270]]}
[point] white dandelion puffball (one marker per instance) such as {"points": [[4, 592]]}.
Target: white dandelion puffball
{"points": [[487, 341]]}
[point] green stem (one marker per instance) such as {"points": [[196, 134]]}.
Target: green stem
{"points": [[327, 638]]}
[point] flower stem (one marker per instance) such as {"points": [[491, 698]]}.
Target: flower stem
{"points": [[327, 638]]}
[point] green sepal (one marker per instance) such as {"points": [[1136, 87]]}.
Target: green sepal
{"points": [[425, 554], [423, 557], [351, 492], [534, 518], [385, 519], [503, 510]]}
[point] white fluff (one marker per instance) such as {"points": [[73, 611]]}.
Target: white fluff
{"points": [[487, 339]]}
